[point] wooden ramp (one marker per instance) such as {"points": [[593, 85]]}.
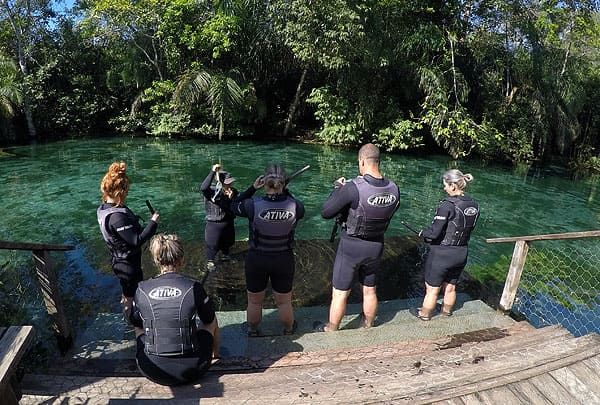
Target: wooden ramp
{"points": [[511, 364]]}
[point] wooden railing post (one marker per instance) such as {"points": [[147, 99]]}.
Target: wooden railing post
{"points": [[514, 275], [51, 293]]}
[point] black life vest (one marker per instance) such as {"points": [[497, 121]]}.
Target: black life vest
{"points": [[213, 212], [273, 225], [118, 247], [217, 209], [168, 309], [376, 206], [459, 228]]}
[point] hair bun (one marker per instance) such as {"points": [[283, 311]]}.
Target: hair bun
{"points": [[468, 177]]}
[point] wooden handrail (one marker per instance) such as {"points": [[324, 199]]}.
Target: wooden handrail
{"points": [[49, 287], [33, 246], [549, 236], [520, 255]]}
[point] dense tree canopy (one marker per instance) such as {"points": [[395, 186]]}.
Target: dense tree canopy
{"points": [[509, 80]]}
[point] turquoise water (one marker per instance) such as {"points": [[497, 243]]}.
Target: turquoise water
{"points": [[50, 192]]}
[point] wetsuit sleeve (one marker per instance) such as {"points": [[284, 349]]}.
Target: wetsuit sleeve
{"points": [[444, 212], [122, 226], [205, 186], [204, 305], [242, 205], [299, 210], [340, 200], [135, 317]]}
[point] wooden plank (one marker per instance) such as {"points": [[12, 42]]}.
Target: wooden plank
{"points": [[471, 399], [52, 299], [514, 275], [13, 346], [588, 346], [549, 236], [587, 375], [593, 363], [4, 244], [575, 386], [528, 392], [552, 389], [451, 401], [499, 395]]}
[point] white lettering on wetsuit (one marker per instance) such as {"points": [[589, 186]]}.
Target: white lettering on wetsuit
{"points": [[124, 228], [164, 293], [381, 200], [276, 215]]}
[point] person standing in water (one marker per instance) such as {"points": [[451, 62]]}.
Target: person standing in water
{"points": [[122, 232], [219, 232], [272, 222], [365, 206], [448, 235]]}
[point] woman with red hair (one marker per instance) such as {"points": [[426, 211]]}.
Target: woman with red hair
{"points": [[122, 231]]}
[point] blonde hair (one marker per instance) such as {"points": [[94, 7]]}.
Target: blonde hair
{"points": [[166, 251], [115, 183], [275, 176], [456, 177]]}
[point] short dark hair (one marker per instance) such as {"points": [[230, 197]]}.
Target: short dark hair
{"points": [[369, 152]]}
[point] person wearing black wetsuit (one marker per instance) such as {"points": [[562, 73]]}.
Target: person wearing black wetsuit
{"points": [[122, 232], [177, 332], [219, 232], [364, 206], [272, 222], [448, 235]]}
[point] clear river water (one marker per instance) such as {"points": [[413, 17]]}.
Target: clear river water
{"points": [[50, 193]]}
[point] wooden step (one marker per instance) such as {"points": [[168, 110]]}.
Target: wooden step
{"points": [[110, 338], [392, 377], [127, 366]]}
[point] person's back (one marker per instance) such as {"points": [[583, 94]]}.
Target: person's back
{"points": [[176, 327], [365, 206]]}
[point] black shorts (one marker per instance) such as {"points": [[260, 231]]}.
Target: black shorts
{"points": [[278, 267], [129, 276], [219, 235], [356, 255], [176, 370], [444, 264]]}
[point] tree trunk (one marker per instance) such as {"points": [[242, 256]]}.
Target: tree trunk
{"points": [[221, 125], [23, 67], [294, 104]]}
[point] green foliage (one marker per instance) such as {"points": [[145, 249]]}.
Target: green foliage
{"points": [[515, 81], [10, 92], [338, 127], [401, 135]]}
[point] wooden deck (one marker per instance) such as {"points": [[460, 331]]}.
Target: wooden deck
{"points": [[516, 364]]}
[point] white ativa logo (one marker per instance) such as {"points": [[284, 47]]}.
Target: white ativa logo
{"points": [[381, 200], [471, 211], [164, 293], [276, 215]]}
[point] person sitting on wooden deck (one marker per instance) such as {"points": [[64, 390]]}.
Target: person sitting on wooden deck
{"points": [[175, 323]]}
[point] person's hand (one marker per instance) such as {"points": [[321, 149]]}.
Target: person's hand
{"points": [[155, 216], [259, 182], [339, 182], [216, 167]]}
